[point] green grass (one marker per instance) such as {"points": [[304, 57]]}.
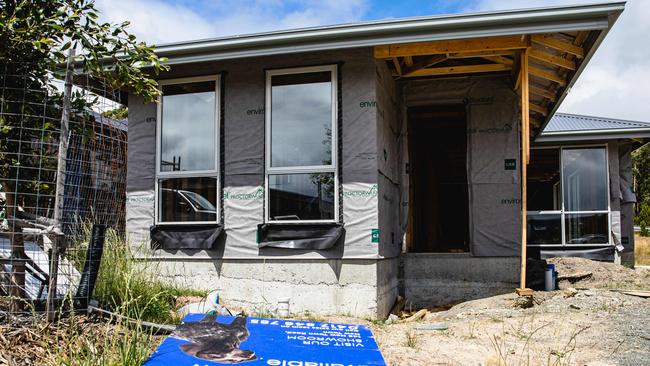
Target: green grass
{"points": [[131, 287]]}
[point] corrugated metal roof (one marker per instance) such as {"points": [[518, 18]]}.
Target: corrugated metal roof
{"points": [[565, 127], [564, 122]]}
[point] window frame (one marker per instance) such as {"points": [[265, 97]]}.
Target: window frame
{"points": [[563, 213], [331, 168], [210, 173]]}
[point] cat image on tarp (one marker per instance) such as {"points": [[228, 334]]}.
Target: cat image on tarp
{"points": [[217, 342]]}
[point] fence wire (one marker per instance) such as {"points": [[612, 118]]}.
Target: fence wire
{"points": [[93, 180]]}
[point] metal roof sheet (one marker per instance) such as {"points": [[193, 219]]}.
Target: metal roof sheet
{"points": [[565, 127], [564, 122]]}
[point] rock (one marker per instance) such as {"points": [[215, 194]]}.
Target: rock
{"points": [[570, 292], [392, 318]]}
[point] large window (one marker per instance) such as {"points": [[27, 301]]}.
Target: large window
{"points": [[301, 173], [568, 199], [187, 166]]}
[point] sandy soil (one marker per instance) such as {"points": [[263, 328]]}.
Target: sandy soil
{"points": [[586, 323]]}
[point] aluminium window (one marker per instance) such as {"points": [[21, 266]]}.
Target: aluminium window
{"points": [[301, 176], [568, 197], [187, 151]]}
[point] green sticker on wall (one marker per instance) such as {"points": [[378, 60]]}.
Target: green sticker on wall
{"points": [[510, 164], [374, 235]]}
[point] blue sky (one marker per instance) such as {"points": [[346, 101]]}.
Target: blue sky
{"points": [[615, 84]]}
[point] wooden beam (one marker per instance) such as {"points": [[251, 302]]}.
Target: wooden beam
{"points": [[542, 92], [398, 67], [452, 46], [465, 69], [408, 61], [499, 59], [427, 62], [455, 55], [552, 60], [536, 71], [539, 109], [536, 122], [558, 45], [523, 290]]}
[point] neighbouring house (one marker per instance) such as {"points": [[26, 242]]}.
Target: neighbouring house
{"points": [[340, 166]]}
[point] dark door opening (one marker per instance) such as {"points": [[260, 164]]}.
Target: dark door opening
{"points": [[439, 199]]}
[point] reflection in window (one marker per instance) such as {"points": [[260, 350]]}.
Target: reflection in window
{"points": [[188, 127], [544, 228], [300, 168], [188, 145], [585, 179], [587, 228], [301, 196], [187, 199], [301, 119]]}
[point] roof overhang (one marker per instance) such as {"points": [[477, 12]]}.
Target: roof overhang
{"points": [[408, 30]]}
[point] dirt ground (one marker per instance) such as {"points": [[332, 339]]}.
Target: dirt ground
{"points": [[586, 322]]}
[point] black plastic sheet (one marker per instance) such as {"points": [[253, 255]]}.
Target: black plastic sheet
{"points": [[175, 237], [300, 236]]}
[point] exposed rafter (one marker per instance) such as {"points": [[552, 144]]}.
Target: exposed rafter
{"points": [[427, 62], [552, 60], [536, 71], [539, 109], [550, 95], [562, 46]]}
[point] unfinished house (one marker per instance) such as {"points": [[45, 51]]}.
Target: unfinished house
{"points": [[339, 166]]}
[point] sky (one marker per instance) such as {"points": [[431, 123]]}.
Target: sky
{"points": [[615, 84]]}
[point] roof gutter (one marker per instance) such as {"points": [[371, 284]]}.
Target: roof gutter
{"points": [[367, 34], [590, 135]]}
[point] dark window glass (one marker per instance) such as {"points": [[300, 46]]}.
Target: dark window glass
{"points": [[586, 228], [584, 174], [301, 119], [301, 196], [187, 199], [188, 127], [544, 229], [543, 192]]}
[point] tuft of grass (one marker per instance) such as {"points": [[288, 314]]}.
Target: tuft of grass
{"points": [[412, 340], [131, 287], [642, 250]]}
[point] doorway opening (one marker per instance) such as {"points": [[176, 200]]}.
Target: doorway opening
{"points": [[439, 198]]}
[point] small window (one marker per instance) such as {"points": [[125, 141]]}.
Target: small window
{"points": [[187, 179], [301, 173]]}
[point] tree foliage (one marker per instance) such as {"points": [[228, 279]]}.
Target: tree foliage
{"points": [[641, 171], [35, 37]]}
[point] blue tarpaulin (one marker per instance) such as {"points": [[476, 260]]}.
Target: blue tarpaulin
{"points": [[205, 340]]}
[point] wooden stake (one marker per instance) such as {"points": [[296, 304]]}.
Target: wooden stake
{"points": [[64, 136]]}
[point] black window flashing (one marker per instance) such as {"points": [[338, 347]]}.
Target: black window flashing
{"points": [[310, 236], [185, 236]]}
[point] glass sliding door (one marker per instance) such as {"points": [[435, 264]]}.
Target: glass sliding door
{"points": [[568, 197]]}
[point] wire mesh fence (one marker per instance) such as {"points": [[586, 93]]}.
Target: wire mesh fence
{"points": [[63, 170]]}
